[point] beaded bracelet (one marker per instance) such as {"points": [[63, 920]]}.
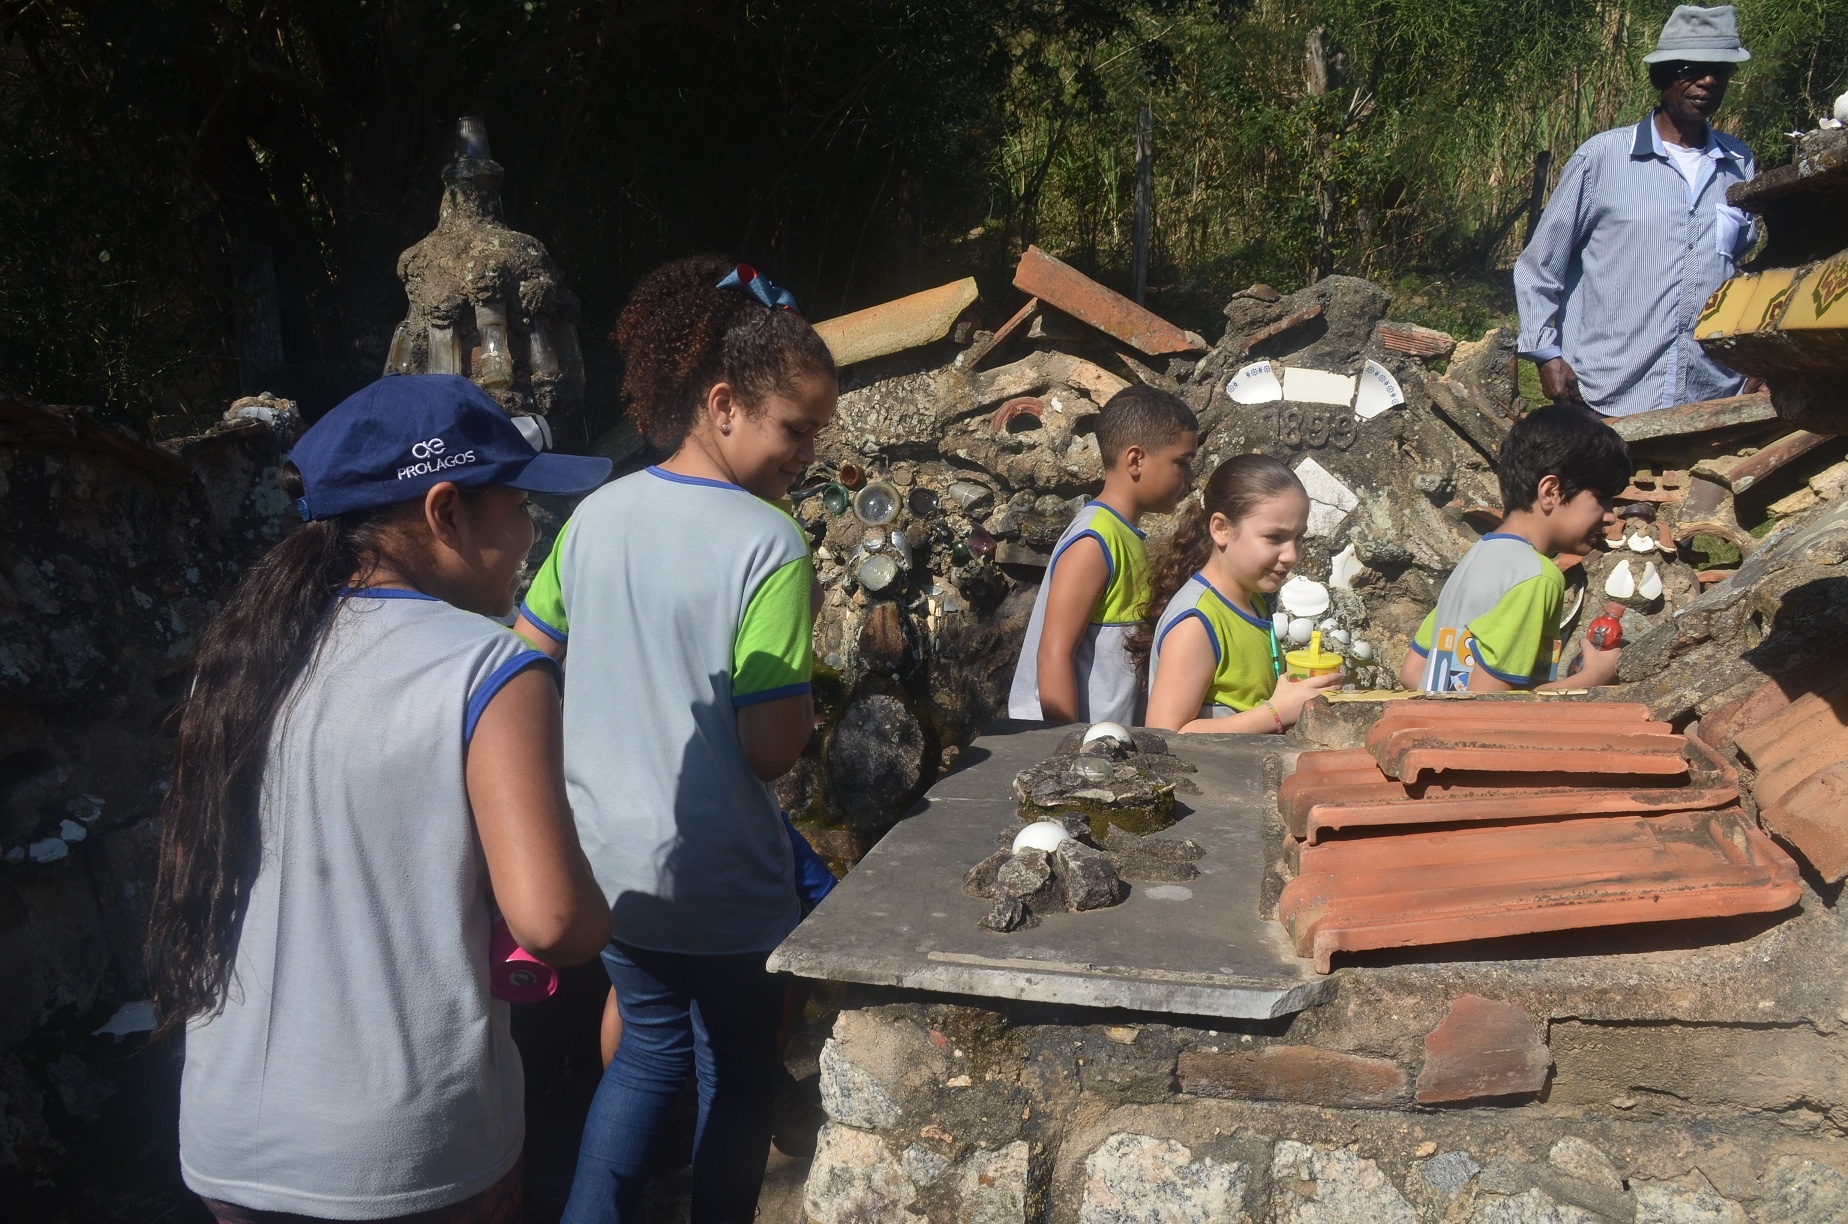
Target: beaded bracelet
{"points": [[1275, 717]]}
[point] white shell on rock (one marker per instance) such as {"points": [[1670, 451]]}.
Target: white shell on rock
{"points": [[1620, 583], [1327, 624], [1379, 391], [1300, 629], [1255, 384], [1115, 731], [1302, 386], [1040, 835], [1302, 596], [1330, 501], [1343, 568], [48, 850], [1649, 586], [1361, 650], [1338, 636], [1641, 542]]}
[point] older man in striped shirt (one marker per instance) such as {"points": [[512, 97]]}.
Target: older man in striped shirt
{"points": [[1638, 234]]}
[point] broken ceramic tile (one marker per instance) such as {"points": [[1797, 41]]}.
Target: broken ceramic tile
{"points": [[1304, 386], [1649, 586], [1330, 501], [1255, 384], [1379, 391]]}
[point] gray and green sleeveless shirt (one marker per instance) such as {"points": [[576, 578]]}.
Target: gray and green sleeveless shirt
{"points": [[682, 600], [360, 1069], [1109, 688]]}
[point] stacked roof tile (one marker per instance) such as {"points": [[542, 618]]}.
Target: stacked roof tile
{"points": [[1469, 820]]}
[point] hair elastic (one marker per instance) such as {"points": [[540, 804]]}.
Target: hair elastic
{"points": [[759, 286]]}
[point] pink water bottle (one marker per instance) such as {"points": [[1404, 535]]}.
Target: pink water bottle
{"points": [[514, 974]]}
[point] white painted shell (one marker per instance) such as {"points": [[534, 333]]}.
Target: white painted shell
{"points": [[1621, 583], [1649, 586], [1300, 629], [1115, 731], [1040, 835], [1302, 596]]}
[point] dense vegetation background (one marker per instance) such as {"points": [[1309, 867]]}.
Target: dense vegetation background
{"points": [[199, 197]]}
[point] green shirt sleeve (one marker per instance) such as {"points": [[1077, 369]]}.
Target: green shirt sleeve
{"points": [[1421, 641], [771, 656], [544, 605], [1515, 637]]}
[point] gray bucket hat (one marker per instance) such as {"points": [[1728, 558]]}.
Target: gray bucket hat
{"points": [[1700, 36]]}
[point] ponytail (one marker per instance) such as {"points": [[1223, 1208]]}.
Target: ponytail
{"points": [[1235, 489], [248, 661]]}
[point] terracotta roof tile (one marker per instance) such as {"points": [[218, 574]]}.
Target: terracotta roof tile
{"points": [[1418, 889], [1813, 817], [1595, 750], [1349, 795]]}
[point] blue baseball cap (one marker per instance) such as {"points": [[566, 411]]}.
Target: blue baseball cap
{"points": [[393, 441]]}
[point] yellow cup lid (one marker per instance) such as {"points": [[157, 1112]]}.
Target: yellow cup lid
{"points": [[1312, 656]]}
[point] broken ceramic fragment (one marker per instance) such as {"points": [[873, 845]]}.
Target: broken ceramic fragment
{"points": [[1379, 391], [1303, 386], [1255, 384], [1302, 596], [1649, 586], [1620, 583], [1344, 568], [1329, 500], [1642, 542]]}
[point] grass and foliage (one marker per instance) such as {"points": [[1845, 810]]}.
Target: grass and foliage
{"points": [[203, 196]]}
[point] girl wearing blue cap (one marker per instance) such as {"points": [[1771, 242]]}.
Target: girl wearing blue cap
{"points": [[683, 597], [367, 767]]}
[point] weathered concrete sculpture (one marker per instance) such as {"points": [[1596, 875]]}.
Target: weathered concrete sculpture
{"points": [[488, 301]]}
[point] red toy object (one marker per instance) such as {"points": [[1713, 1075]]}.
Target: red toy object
{"points": [[514, 974], [1606, 633]]}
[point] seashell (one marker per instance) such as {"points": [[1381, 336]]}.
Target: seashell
{"points": [[1362, 650], [1115, 731], [1642, 542], [1620, 583], [1649, 586], [1040, 835], [1342, 570], [1303, 597], [877, 572], [1300, 630], [876, 504]]}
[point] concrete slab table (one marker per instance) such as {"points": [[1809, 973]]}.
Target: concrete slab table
{"points": [[1202, 948]]}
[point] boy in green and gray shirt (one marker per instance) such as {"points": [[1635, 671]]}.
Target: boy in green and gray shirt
{"points": [[1496, 624]]}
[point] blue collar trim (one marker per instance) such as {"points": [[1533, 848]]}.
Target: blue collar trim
{"points": [[677, 478], [1256, 622], [1140, 534], [384, 593]]}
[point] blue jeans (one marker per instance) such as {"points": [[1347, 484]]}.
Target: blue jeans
{"points": [[714, 1015]]}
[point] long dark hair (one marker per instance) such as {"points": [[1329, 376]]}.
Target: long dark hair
{"points": [[1235, 489], [679, 333], [248, 660]]}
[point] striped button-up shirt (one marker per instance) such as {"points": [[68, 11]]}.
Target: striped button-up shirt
{"points": [[1621, 263]]}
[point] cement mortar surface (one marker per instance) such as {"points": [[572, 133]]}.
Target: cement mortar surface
{"points": [[901, 917]]}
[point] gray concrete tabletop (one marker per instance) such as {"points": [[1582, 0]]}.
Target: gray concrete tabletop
{"points": [[1203, 948]]}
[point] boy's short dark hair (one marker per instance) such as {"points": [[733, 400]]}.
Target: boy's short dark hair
{"points": [[1566, 441], [1142, 416]]}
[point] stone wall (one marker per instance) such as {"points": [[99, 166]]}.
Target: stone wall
{"points": [[113, 552], [948, 1112]]}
